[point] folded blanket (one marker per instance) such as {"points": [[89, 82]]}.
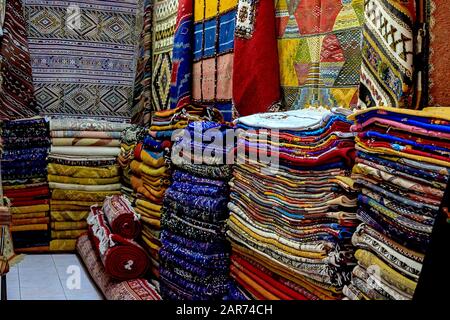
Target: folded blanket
{"points": [[69, 225], [29, 227], [86, 134], [82, 181], [122, 258], [30, 209], [75, 195], [83, 172], [80, 187], [137, 289], [85, 151], [61, 216], [84, 142], [121, 217], [73, 124], [19, 222]]}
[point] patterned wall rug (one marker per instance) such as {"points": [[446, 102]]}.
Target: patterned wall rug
{"points": [[319, 45], [164, 21], [16, 87], [83, 56]]}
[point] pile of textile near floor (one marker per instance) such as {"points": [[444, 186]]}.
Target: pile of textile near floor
{"points": [[129, 139], [150, 178], [194, 253], [293, 207], [151, 172], [82, 171], [114, 259], [24, 174], [402, 168]]}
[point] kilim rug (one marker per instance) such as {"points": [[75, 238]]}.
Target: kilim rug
{"points": [[164, 21], [319, 44], [83, 55], [214, 26], [388, 54], [438, 12], [142, 85], [16, 88]]}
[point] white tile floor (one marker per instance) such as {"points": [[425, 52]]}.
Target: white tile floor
{"points": [[51, 277]]}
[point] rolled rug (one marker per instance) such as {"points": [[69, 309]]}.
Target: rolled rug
{"points": [[122, 258], [136, 289], [121, 216]]}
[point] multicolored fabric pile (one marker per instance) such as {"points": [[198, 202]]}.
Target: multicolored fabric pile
{"points": [[82, 171], [136, 289], [128, 142], [403, 168], [151, 172], [292, 205], [24, 174], [195, 254]]}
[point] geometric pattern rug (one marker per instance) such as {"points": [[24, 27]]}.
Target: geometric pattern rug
{"points": [[319, 48], [83, 56]]}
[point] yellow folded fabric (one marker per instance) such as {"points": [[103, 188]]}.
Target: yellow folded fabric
{"points": [[86, 181], [67, 234], [63, 245], [429, 112], [69, 225], [83, 172], [75, 195], [64, 205], [153, 222], [150, 161], [61, 216], [369, 260], [147, 213], [150, 243], [140, 168], [30, 227], [148, 205], [29, 215], [30, 209]]}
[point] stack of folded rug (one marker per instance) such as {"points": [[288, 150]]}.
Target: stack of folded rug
{"points": [[151, 172], [24, 173], [293, 208], [150, 179], [82, 171], [130, 138], [402, 168], [195, 254]]}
